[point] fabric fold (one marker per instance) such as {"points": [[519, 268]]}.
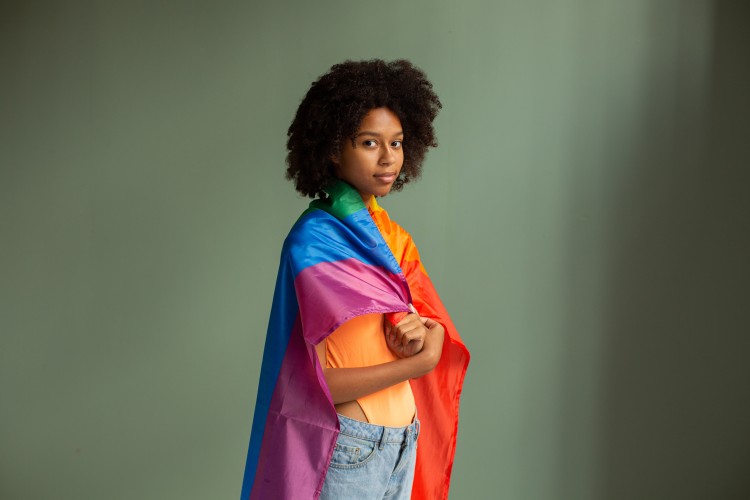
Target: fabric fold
{"points": [[340, 261]]}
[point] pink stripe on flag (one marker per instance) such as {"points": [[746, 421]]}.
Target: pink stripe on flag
{"points": [[330, 293], [301, 428]]}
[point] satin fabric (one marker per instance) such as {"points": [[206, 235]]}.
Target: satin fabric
{"points": [[340, 261]]}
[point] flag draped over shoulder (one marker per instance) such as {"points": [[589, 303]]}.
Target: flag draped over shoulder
{"points": [[340, 261]]}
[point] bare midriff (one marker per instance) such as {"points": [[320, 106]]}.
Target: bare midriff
{"points": [[361, 342]]}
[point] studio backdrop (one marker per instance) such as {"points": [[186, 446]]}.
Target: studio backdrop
{"points": [[584, 219]]}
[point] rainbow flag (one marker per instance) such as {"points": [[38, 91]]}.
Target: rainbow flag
{"points": [[340, 261]]}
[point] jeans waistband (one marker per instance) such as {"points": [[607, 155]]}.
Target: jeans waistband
{"points": [[377, 433]]}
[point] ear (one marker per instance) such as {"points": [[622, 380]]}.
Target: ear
{"points": [[335, 159]]}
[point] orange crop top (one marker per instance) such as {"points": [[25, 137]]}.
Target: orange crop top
{"points": [[361, 342]]}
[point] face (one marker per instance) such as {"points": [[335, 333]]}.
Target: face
{"points": [[372, 163]]}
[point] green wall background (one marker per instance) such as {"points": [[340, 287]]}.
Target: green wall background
{"points": [[585, 219]]}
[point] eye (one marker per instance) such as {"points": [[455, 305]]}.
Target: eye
{"points": [[397, 144], [369, 143]]}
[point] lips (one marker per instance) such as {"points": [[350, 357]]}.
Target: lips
{"points": [[386, 177]]}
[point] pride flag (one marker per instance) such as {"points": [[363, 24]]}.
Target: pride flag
{"points": [[340, 261]]}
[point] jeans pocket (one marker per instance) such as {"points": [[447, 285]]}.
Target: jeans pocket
{"points": [[351, 452]]}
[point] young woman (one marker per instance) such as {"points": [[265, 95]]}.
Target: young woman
{"points": [[361, 358]]}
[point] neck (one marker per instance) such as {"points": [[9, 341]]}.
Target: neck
{"points": [[367, 199]]}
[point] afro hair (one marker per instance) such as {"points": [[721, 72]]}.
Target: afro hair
{"points": [[337, 102]]}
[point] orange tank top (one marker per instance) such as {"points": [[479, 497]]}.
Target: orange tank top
{"points": [[361, 342]]}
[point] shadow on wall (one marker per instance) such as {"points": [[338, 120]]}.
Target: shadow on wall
{"points": [[674, 388]]}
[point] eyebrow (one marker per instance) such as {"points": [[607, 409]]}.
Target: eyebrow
{"points": [[367, 132]]}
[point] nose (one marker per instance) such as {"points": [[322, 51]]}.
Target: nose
{"points": [[387, 155]]}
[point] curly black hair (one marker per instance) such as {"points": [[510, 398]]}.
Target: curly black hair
{"points": [[334, 107]]}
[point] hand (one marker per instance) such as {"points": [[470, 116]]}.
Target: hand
{"points": [[407, 337], [433, 343]]}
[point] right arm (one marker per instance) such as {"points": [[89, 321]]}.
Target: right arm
{"points": [[350, 384]]}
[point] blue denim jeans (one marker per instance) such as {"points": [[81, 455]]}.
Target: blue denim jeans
{"points": [[372, 462]]}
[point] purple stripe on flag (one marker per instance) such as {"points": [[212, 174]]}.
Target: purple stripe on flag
{"points": [[301, 428], [330, 293]]}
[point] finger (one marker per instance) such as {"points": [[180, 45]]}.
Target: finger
{"points": [[414, 335], [386, 328], [413, 309], [406, 327], [409, 318], [394, 336], [429, 323]]}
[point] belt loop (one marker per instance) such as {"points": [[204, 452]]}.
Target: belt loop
{"points": [[382, 439]]}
